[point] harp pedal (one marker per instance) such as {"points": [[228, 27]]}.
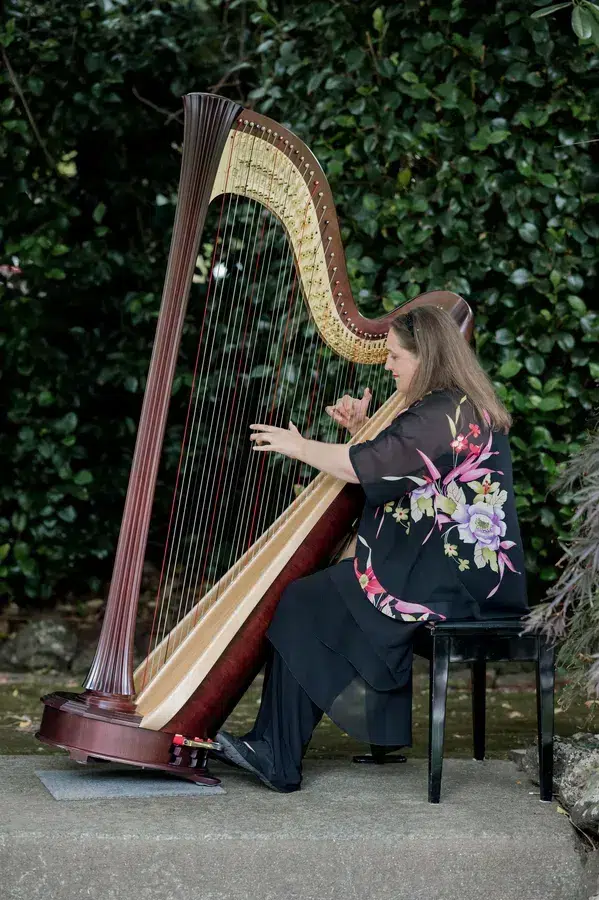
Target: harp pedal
{"points": [[191, 753], [179, 740]]}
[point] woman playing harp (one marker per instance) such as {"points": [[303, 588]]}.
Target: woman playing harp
{"points": [[438, 539], [279, 337]]}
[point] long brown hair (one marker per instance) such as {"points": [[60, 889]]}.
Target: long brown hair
{"points": [[447, 362]]}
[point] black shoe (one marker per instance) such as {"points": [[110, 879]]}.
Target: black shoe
{"points": [[240, 754]]}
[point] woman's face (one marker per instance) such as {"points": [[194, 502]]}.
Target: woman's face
{"points": [[400, 362]]}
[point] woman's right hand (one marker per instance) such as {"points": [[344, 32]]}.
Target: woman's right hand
{"points": [[350, 412]]}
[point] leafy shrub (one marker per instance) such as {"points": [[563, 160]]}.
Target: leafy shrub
{"points": [[87, 212], [456, 143], [456, 137]]}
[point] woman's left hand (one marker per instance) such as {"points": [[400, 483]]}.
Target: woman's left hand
{"points": [[287, 441]]}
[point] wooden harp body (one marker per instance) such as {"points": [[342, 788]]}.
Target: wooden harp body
{"points": [[278, 339]]}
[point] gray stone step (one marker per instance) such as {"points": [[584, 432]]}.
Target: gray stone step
{"points": [[352, 832]]}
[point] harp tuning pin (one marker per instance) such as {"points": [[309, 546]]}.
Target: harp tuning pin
{"points": [[245, 122], [312, 173], [340, 293], [286, 143], [275, 133], [336, 283], [302, 158], [316, 183], [320, 193], [326, 221], [332, 254], [270, 130]]}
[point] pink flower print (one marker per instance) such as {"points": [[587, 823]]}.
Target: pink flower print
{"points": [[368, 581], [413, 609], [475, 449], [474, 430], [480, 524], [460, 443], [387, 603]]}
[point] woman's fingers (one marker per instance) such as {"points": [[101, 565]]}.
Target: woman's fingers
{"points": [[365, 401], [335, 413], [341, 417], [265, 436], [350, 411]]}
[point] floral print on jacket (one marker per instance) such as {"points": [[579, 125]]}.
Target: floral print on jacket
{"points": [[464, 505]]}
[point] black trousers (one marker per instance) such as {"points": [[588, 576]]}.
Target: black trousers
{"points": [[284, 724]]}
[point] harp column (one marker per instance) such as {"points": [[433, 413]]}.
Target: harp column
{"points": [[208, 120]]}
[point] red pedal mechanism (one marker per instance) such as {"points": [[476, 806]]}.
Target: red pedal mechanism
{"points": [[204, 743]]}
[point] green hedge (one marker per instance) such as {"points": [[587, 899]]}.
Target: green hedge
{"points": [[454, 137]]}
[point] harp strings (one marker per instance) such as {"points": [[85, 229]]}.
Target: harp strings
{"points": [[161, 607], [202, 523], [285, 275], [221, 441], [310, 349], [257, 524], [319, 377], [218, 435], [267, 463], [239, 413], [200, 410]]}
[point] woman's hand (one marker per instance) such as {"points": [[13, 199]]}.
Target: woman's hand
{"points": [[331, 458], [287, 441], [350, 412]]}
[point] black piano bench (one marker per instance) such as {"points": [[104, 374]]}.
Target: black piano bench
{"points": [[476, 642]]}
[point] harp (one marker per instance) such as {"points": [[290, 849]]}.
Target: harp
{"points": [[280, 337]]}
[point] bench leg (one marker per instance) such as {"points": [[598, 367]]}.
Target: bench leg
{"points": [[478, 671], [439, 671], [545, 715]]}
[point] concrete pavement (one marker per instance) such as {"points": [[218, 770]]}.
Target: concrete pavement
{"points": [[351, 832]]}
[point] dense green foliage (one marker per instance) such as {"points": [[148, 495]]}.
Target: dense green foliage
{"points": [[584, 17], [456, 140]]}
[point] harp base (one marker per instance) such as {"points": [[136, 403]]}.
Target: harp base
{"points": [[89, 734], [118, 703]]}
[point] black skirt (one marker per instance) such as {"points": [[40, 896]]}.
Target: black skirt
{"points": [[354, 662]]}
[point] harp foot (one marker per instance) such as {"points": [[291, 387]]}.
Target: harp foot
{"points": [[202, 778], [79, 756], [90, 734]]}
